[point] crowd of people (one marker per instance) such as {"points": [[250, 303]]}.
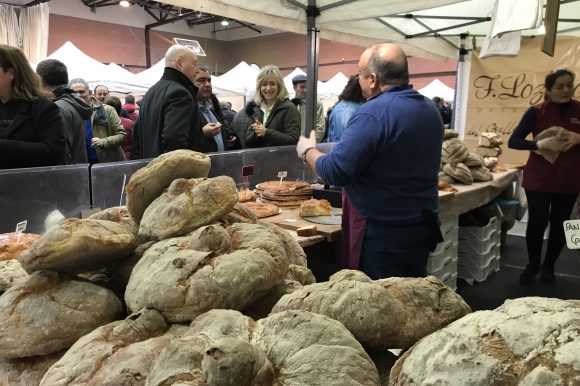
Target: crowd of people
{"points": [[387, 157]]}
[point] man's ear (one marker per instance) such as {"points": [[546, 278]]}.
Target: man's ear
{"points": [[374, 80]]}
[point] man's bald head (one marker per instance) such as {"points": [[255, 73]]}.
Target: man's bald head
{"points": [[389, 62], [182, 59]]}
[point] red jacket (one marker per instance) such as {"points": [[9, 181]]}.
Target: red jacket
{"points": [[564, 175]]}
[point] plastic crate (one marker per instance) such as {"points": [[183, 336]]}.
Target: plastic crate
{"points": [[481, 233], [479, 274], [480, 260], [446, 271], [480, 247], [451, 281], [449, 226], [437, 260]]}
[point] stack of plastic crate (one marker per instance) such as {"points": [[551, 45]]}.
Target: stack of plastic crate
{"points": [[479, 250], [442, 261]]}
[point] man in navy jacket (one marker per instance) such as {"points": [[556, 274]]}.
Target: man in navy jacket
{"points": [[387, 161]]}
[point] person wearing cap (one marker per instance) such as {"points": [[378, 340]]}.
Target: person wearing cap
{"points": [[299, 83]]}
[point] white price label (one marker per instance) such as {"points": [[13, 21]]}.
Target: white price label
{"points": [[572, 233], [21, 226], [282, 174]]}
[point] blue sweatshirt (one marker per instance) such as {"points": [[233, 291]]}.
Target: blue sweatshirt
{"points": [[388, 157]]}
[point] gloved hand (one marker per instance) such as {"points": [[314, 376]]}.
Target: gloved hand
{"points": [[552, 143], [305, 143]]}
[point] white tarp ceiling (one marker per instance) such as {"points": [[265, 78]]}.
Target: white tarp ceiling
{"points": [[364, 22]]}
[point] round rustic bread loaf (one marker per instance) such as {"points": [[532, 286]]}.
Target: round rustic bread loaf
{"points": [[11, 273], [183, 283], [50, 311], [481, 173], [76, 246], [453, 151], [118, 214], [26, 371], [147, 183], [382, 314], [119, 353], [526, 341], [459, 172], [188, 205]]}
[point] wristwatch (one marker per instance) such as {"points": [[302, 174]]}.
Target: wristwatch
{"points": [[304, 153]]}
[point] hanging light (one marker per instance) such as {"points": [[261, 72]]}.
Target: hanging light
{"points": [[124, 3], [225, 23]]}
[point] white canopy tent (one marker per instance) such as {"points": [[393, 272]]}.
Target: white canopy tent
{"points": [[334, 86], [433, 29], [439, 89], [241, 79], [321, 88]]}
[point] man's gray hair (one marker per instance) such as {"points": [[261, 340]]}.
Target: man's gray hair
{"points": [[174, 52], [79, 80], [389, 72]]}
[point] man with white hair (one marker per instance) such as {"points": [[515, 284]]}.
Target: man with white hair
{"points": [[169, 118]]}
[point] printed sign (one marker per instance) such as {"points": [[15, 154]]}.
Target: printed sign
{"points": [[21, 226], [282, 174], [572, 233]]}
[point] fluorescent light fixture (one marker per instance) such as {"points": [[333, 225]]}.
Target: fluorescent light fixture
{"points": [[124, 3], [225, 23]]}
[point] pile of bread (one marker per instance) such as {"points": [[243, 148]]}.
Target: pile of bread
{"points": [[208, 297], [458, 164], [284, 194]]}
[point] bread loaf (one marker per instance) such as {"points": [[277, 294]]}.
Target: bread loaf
{"points": [[488, 151], [308, 230], [459, 172], [12, 245], [314, 207], [147, 183]]}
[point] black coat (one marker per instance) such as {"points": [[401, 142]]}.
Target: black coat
{"points": [[35, 138], [169, 118], [209, 145], [282, 127]]}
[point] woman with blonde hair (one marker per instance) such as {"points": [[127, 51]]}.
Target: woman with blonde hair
{"points": [[31, 132], [275, 120]]}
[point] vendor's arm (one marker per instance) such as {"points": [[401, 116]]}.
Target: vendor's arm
{"points": [[352, 155], [518, 139]]}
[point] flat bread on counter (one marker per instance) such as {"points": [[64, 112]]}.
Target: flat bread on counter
{"points": [[261, 209]]}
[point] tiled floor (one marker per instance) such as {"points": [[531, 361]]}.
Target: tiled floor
{"points": [[503, 284]]}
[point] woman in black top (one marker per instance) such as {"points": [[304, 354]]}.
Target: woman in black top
{"points": [[31, 132]]}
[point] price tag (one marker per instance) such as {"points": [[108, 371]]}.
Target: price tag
{"points": [[281, 176], [20, 227], [247, 170], [572, 233]]}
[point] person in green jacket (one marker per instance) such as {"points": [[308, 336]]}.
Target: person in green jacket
{"points": [[276, 120]]}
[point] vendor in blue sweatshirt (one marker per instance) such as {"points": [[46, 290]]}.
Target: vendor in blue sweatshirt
{"points": [[387, 161]]}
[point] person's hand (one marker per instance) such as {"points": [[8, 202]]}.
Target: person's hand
{"points": [[96, 142], [552, 143], [569, 139], [232, 139], [259, 129], [305, 143], [212, 129]]}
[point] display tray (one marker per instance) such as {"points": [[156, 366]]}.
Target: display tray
{"points": [[335, 218]]}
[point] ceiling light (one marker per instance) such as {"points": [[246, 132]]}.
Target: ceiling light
{"points": [[124, 3], [225, 23]]}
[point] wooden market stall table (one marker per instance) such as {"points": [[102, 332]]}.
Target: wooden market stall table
{"points": [[467, 197]]}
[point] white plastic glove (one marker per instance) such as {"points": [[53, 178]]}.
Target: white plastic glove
{"points": [[306, 143], [552, 143]]}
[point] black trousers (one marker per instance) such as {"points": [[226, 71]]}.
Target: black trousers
{"points": [[544, 208]]}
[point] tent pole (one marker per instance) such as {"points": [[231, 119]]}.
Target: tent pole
{"points": [[311, 65], [460, 62]]}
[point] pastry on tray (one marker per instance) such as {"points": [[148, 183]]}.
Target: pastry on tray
{"points": [[315, 207], [285, 187], [246, 195], [262, 209]]}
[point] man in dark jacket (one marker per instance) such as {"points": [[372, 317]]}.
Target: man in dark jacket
{"points": [[73, 109], [216, 137], [169, 118]]}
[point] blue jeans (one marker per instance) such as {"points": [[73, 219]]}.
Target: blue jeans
{"points": [[396, 251]]}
